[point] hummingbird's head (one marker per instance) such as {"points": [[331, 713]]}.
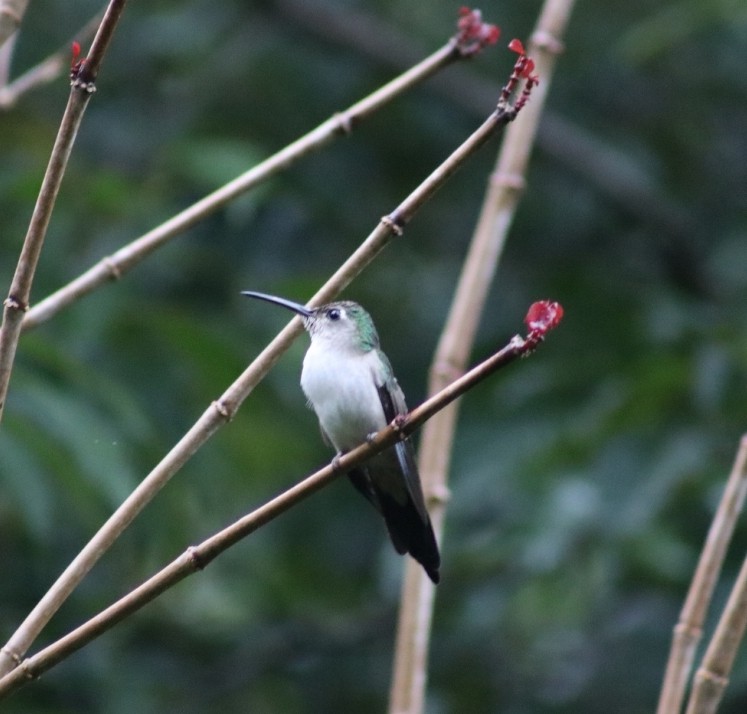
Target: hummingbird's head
{"points": [[343, 325]]}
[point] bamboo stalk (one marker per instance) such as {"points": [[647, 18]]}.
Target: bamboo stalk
{"points": [[17, 302], [11, 16], [47, 70], [713, 675], [407, 695], [689, 628]]}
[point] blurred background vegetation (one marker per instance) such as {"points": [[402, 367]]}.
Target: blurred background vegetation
{"points": [[584, 478]]}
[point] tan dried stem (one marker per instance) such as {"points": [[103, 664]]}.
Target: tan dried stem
{"points": [[11, 16], [342, 123], [6, 60], [222, 410], [713, 675], [689, 628], [17, 302], [407, 694], [47, 70], [198, 557]]}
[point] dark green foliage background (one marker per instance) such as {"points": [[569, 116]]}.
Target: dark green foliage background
{"points": [[584, 479]]}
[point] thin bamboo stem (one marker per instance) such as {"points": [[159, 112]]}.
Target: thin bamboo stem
{"points": [[713, 675], [11, 15], [17, 302], [407, 695], [689, 628], [47, 70]]}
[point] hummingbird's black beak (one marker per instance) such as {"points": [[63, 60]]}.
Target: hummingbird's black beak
{"points": [[296, 307]]}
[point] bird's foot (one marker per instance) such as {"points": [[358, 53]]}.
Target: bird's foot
{"points": [[399, 422], [336, 460]]}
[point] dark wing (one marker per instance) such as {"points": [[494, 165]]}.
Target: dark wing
{"points": [[408, 523], [393, 403], [362, 482], [406, 518]]}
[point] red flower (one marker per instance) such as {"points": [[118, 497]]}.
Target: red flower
{"points": [[524, 65], [76, 53], [474, 34], [527, 69], [516, 46], [543, 315]]}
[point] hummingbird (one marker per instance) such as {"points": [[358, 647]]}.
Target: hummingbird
{"points": [[351, 387]]}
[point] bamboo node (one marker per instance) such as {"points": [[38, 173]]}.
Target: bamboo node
{"points": [[392, 225], [448, 370], [543, 40], [708, 675], [27, 671], [344, 122], [222, 409], [686, 629], [112, 268], [194, 557], [13, 655], [13, 303], [87, 87], [439, 495], [505, 179]]}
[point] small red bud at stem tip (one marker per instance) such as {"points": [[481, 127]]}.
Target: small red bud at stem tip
{"points": [[472, 33], [516, 46], [527, 68], [543, 315], [76, 52]]}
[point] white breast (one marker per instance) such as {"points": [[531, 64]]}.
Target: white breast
{"points": [[341, 387]]}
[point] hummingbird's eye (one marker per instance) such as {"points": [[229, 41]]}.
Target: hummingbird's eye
{"points": [[333, 314]]}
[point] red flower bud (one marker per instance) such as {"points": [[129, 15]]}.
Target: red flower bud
{"points": [[76, 53], [543, 315], [516, 46]]}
